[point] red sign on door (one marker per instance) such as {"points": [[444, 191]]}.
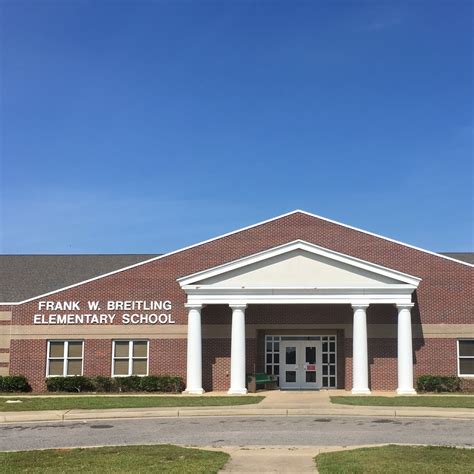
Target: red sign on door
{"points": [[311, 367]]}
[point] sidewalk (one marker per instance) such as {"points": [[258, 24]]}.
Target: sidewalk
{"points": [[289, 459], [265, 459], [276, 403]]}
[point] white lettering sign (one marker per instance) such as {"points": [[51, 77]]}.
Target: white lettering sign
{"points": [[148, 312]]}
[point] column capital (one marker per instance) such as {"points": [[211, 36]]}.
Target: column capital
{"points": [[360, 305], [193, 306], [241, 306], [404, 305]]}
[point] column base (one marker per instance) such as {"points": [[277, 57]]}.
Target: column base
{"points": [[406, 391], [237, 391], [193, 391], [360, 391]]}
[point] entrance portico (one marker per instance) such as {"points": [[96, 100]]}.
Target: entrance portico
{"points": [[299, 273]]}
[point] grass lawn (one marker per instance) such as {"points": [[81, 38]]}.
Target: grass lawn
{"points": [[397, 459], [99, 402], [159, 458], [442, 401]]}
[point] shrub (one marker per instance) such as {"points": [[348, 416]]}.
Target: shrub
{"points": [[150, 383], [438, 383], [105, 384], [77, 383], [14, 383], [467, 385], [53, 384], [128, 384], [158, 383], [171, 383]]}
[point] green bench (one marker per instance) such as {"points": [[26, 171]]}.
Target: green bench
{"points": [[268, 381]]}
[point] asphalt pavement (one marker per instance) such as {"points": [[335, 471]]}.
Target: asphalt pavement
{"points": [[239, 431]]}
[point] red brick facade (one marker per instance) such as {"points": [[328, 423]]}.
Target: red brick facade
{"points": [[444, 296], [28, 357]]}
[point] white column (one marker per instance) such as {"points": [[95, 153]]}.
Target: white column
{"points": [[360, 361], [237, 352], [194, 361], [405, 351]]}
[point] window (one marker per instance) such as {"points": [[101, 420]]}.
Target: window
{"points": [[64, 358], [272, 356], [130, 358], [329, 361], [466, 357]]}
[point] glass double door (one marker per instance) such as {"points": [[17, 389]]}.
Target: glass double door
{"points": [[300, 365]]}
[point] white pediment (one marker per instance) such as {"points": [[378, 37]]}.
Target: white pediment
{"points": [[298, 265]]}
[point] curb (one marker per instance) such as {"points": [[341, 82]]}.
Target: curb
{"points": [[83, 415]]}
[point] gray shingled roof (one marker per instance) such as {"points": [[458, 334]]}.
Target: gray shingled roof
{"points": [[27, 276], [464, 256]]}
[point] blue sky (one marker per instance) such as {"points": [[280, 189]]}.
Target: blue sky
{"points": [[142, 127]]}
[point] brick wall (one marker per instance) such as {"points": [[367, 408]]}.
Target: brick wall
{"points": [[98, 357], [28, 357], [168, 357], [216, 362], [444, 296]]}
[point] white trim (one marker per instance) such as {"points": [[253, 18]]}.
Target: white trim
{"points": [[235, 232], [385, 238], [394, 294], [130, 357], [291, 247], [64, 358], [464, 357], [329, 363]]}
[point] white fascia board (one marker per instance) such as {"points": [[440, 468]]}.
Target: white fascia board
{"points": [[283, 300], [231, 233], [151, 259], [300, 296], [392, 289], [385, 238], [298, 245], [330, 295]]}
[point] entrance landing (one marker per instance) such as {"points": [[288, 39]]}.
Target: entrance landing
{"points": [[298, 399], [291, 398]]}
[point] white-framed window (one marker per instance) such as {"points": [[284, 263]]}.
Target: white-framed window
{"points": [[130, 357], [329, 362], [65, 358], [466, 357]]}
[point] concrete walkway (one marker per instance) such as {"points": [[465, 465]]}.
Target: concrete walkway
{"points": [[270, 459], [276, 403], [277, 459]]}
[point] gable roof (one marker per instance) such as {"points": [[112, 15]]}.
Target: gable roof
{"points": [[151, 257], [26, 276], [327, 256]]}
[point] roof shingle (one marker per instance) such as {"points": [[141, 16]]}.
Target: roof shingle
{"points": [[26, 276]]}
